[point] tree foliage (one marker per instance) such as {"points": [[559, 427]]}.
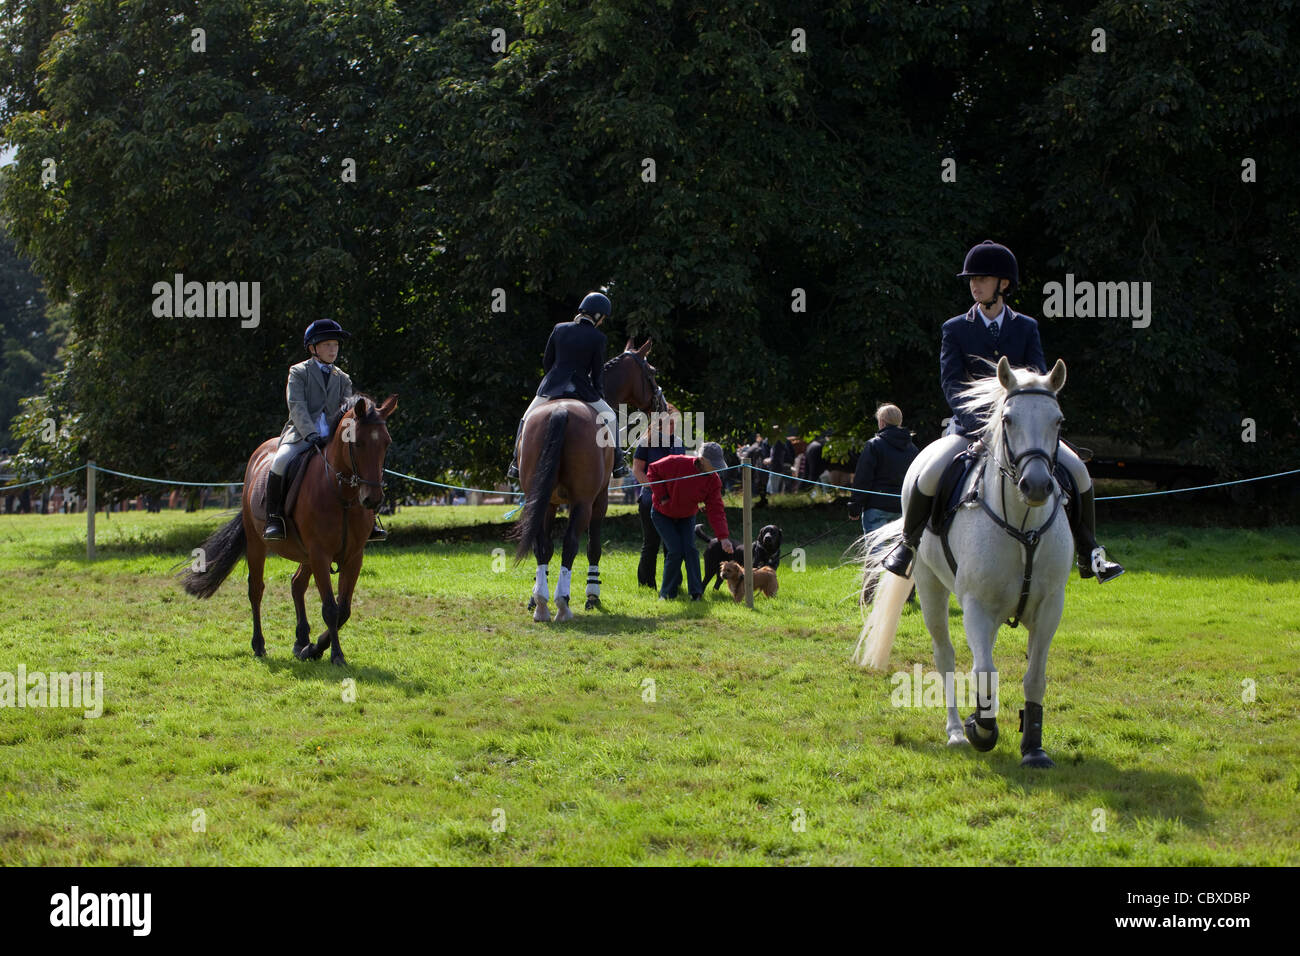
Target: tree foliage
{"points": [[781, 174]]}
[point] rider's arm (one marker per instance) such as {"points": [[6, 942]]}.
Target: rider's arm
{"points": [[548, 360], [296, 395], [1034, 351], [952, 370]]}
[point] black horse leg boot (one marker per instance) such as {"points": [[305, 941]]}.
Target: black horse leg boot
{"points": [[899, 560], [274, 530], [1092, 557], [513, 473], [1032, 753]]}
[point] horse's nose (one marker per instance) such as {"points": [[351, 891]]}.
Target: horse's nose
{"points": [[1035, 483]]}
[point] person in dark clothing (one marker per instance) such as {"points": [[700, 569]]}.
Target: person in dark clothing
{"points": [[574, 368], [776, 463], [971, 343], [812, 464], [881, 468], [654, 445], [755, 453]]}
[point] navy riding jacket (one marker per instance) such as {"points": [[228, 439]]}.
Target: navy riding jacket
{"points": [[966, 339], [574, 362]]}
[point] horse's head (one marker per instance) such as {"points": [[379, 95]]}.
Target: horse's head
{"points": [[1025, 429], [363, 430], [630, 380]]}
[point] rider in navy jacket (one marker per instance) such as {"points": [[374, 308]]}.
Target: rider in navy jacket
{"points": [[992, 330], [574, 367], [966, 340]]}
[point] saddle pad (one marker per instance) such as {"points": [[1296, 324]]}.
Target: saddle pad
{"points": [[953, 487]]}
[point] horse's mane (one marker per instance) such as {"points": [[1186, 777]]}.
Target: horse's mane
{"points": [[608, 365], [373, 418], [985, 397]]}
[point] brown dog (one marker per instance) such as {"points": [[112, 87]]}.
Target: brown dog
{"points": [[734, 574]]}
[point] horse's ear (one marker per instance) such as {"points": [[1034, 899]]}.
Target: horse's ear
{"points": [[1007, 380], [359, 409], [644, 350], [1056, 378], [629, 347], [389, 406]]}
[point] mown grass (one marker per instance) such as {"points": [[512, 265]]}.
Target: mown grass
{"points": [[468, 714]]}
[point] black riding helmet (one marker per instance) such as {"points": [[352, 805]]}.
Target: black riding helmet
{"points": [[322, 330], [991, 258]]}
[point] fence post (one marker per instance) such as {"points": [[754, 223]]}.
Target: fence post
{"points": [[90, 510], [748, 499]]}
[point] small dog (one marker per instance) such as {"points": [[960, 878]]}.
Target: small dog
{"points": [[767, 552], [764, 580]]}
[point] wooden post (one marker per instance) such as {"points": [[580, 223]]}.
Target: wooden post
{"points": [[90, 510], [748, 492]]}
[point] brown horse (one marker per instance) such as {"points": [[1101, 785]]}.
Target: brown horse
{"points": [[330, 522], [560, 462]]}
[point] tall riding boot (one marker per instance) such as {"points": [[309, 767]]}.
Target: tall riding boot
{"points": [[917, 514], [1092, 557], [620, 464], [274, 530], [513, 473]]}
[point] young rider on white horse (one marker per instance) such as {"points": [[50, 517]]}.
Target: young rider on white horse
{"points": [[574, 366], [991, 330]]}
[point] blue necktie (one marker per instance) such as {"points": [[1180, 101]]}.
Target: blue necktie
{"points": [[993, 330]]}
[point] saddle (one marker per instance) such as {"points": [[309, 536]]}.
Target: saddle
{"points": [[959, 486], [293, 476]]}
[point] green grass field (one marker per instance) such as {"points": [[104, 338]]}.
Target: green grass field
{"points": [[479, 737]]}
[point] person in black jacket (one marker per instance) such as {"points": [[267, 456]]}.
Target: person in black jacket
{"points": [[881, 468], [574, 364], [991, 330]]}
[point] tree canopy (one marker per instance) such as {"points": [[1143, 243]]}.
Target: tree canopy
{"points": [[779, 194]]}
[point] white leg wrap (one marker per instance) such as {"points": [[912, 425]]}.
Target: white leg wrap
{"points": [[540, 590], [593, 580], [562, 585]]}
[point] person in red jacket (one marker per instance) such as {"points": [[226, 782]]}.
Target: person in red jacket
{"points": [[673, 506]]}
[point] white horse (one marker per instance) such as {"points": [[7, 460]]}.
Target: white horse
{"points": [[1013, 550]]}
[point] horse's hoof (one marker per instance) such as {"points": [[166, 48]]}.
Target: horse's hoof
{"points": [[562, 611], [1037, 758], [957, 738], [338, 661], [543, 613], [592, 602], [532, 602], [977, 740], [259, 647]]}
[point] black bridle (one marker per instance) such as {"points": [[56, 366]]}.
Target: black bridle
{"points": [[354, 480], [1031, 538]]}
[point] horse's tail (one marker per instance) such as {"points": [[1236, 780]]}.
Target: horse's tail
{"points": [[533, 519], [219, 554], [891, 591]]}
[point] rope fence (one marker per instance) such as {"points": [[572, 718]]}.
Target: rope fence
{"points": [[91, 468]]}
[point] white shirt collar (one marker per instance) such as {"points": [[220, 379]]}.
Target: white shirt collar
{"points": [[999, 318]]}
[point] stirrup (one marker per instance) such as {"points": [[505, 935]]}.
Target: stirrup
{"points": [[274, 530], [620, 470], [512, 473], [378, 532]]}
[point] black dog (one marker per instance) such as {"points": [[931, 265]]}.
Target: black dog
{"points": [[767, 552]]}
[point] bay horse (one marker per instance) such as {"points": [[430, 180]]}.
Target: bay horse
{"points": [[329, 522], [1013, 552], [561, 462]]}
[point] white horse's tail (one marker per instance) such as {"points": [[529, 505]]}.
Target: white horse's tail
{"points": [[881, 626]]}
